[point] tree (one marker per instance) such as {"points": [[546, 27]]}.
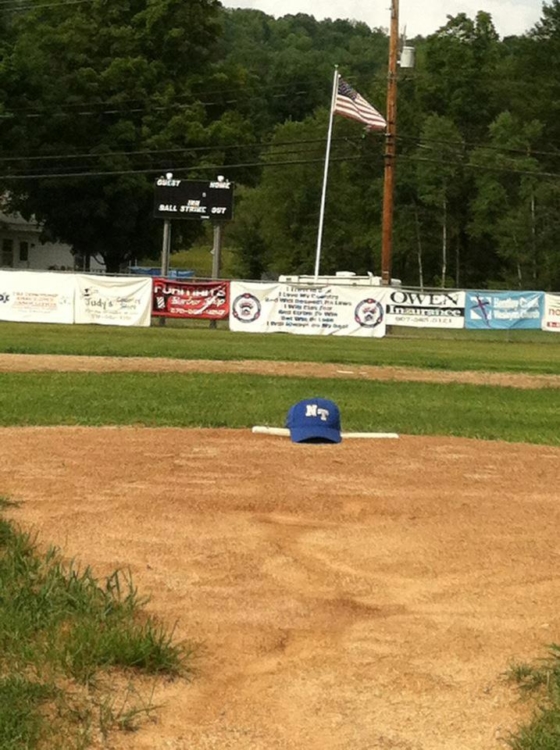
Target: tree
{"points": [[459, 82], [280, 217], [439, 171], [100, 91], [536, 60], [546, 215], [504, 207], [288, 62]]}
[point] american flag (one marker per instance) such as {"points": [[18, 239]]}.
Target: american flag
{"points": [[352, 105]]}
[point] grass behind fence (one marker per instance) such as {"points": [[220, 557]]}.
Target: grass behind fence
{"points": [[520, 351], [240, 401]]}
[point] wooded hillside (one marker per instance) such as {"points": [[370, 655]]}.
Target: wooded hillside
{"points": [[99, 98]]}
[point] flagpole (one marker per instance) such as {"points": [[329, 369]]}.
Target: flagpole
{"points": [[325, 175]]}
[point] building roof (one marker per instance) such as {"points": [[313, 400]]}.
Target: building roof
{"points": [[16, 222]]}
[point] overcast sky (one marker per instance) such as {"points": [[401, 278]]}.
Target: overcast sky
{"points": [[424, 17]]}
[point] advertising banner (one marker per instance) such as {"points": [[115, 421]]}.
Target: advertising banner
{"points": [[407, 307], [551, 313], [202, 299], [33, 297], [113, 300], [308, 310], [503, 310]]}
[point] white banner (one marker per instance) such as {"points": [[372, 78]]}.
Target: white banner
{"points": [[113, 300], [551, 313], [33, 297], [308, 310], [406, 307]]}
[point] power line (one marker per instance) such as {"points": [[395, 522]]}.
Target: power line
{"points": [[292, 162], [267, 146], [187, 149], [60, 109], [471, 145], [57, 170], [7, 5], [177, 105], [193, 94], [198, 168], [482, 167]]}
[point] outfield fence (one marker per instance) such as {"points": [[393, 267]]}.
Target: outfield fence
{"points": [[345, 309]]}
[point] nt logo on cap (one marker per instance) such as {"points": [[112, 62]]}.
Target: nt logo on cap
{"points": [[314, 420]]}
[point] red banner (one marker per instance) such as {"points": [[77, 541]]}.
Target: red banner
{"points": [[190, 299]]}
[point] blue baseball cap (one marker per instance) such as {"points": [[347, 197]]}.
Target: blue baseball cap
{"points": [[314, 420]]}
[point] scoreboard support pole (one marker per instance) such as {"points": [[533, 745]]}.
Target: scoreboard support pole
{"points": [[165, 253], [217, 250], [216, 256], [166, 248]]}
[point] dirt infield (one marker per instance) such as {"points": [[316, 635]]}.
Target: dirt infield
{"points": [[45, 363], [363, 596]]}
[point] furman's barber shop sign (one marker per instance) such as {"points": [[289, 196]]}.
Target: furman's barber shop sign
{"points": [[200, 299]]}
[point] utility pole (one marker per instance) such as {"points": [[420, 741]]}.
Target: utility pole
{"points": [[390, 149]]}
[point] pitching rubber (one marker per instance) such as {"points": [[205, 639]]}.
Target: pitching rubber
{"points": [[284, 432]]}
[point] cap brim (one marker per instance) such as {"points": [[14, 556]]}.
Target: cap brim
{"points": [[328, 434]]}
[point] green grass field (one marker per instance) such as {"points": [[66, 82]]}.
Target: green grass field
{"points": [[530, 352], [232, 400], [206, 400], [225, 400]]}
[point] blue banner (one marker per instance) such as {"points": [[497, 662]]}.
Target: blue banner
{"points": [[504, 310]]}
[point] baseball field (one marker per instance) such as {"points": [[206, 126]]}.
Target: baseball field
{"points": [[372, 594]]}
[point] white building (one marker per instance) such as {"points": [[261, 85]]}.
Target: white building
{"points": [[21, 248]]}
